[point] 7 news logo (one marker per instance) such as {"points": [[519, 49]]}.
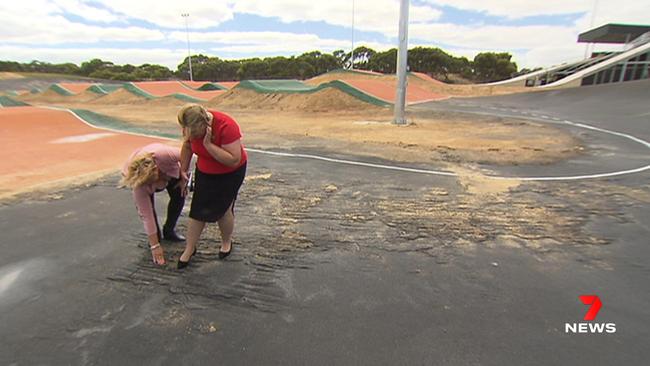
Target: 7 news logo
{"points": [[594, 307]]}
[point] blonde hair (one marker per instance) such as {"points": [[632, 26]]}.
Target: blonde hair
{"points": [[193, 118], [141, 170]]}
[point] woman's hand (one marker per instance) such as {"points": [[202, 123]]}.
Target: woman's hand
{"points": [[182, 183], [156, 250], [207, 139], [158, 255]]}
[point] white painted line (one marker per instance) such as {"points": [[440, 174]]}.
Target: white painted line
{"points": [[100, 88], [444, 173], [575, 177], [589, 127], [106, 128], [426, 171], [82, 138], [429, 100], [352, 162], [66, 89]]}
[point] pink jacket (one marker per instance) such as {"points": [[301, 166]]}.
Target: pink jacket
{"points": [[167, 159]]}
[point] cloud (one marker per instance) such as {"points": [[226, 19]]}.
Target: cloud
{"points": [[620, 11], [162, 56], [370, 15], [493, 36], [271, 43], [531, 46], [514, 9], [167, 14], [46, 26], [86, 11], [279, 42], [291, 49]]}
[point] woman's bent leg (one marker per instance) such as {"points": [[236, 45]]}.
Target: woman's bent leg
{"points": [[174, 209]]}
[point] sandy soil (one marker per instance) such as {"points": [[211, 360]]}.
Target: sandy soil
{"points": [[285, 121], [50, 96], [322, 101], [337, 122], [9, 75]]}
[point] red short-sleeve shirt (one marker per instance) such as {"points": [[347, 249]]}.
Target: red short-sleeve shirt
{"points": [[224, 131]]}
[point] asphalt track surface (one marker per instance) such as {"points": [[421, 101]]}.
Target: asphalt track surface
{"points": [[617, 108], [325, 270]]}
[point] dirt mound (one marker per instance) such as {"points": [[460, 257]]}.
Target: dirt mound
{"points": [[76, 88], [120, 96], [84, 96], [330, 76], [423, 81], [327, 100], [48, 96], [168, 101]]}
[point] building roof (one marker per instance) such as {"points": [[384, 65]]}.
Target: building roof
{"points": [[613, 33]]}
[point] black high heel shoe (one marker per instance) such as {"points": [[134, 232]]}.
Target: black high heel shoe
{"points": [[181, 264], [223, 255]]}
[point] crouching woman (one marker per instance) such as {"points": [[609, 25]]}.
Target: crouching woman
{"points": [[150, 169]]}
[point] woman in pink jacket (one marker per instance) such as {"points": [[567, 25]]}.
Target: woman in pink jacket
{"points": [[151, 169]]}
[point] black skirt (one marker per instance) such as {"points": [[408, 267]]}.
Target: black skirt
{"points": [[213, 194]]}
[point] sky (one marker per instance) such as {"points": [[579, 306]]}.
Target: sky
{"points": [[537, 32]]}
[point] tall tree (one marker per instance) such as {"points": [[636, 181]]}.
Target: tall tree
{"points": [[491, 66], [362, 56], [94, 65], [384, 61], [433, 61]]}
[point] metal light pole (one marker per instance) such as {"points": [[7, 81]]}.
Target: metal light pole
{"points": [[591, 26], [187, 31], [352, 52], [402, 62]]}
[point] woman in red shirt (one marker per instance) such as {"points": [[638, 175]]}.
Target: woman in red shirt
{"points": [[215, 138]]}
